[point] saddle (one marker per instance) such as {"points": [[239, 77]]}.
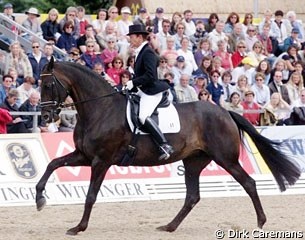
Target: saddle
{"points": [[134, 101]]}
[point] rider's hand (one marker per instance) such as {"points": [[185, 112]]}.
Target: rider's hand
{"points": [[129, 85]]}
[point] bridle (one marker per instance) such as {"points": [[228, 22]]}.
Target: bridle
{"points": [[57, 104]]}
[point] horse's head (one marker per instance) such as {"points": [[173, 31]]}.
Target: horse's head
{"points": [[53, 93]]}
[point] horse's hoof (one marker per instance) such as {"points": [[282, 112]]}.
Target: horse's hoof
{"points": [[72, 231], [41, 203], [166, 228]]}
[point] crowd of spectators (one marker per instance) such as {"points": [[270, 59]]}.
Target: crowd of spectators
{"points": [[230, 62]]}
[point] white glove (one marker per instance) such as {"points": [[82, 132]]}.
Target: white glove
{"points": [[129, 85]]}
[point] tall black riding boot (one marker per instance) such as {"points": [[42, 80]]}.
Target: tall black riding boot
{"points": [[165, 149]]}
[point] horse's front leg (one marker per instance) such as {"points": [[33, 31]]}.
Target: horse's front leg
{"points": [[98, 172], [72, 159]]}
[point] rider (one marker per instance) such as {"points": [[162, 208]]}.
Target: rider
{"points": [[148, 86]]}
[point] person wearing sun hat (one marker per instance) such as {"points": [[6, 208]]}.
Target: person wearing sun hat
{"points": [[32, 22], [246, 68], [147, 85]]}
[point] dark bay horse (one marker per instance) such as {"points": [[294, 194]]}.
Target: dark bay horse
{"points": [[101, 137]]}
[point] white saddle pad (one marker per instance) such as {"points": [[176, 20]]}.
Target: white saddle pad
{"points": [[168, 119]]}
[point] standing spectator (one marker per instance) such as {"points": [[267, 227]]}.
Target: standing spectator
{"points": [[116, 69], [185, 92], [295, 86], [110, 52], [25, 90], [234, 103], [89, 35], [50, 27], [5, 87], [248, 21], [239, 54], [70, 16], [277, 85], [203, 49], [90, 57], [83, 22], [66, 41], [261, 91], [37, 60], [19, 60], [211, 24], [264, 68], [226, 58], [187, 54], [176, 18], [32, 22], [163, 34], [216, 89], [232, 19], [217, 34], [235, 36], [8, 12], [17, 125], [99, 23], [292, 17], [158, 20], [249, 104], [32, 105], [5, 118], [189, 24], [200, 34]]}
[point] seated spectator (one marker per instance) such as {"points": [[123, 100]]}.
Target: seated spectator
{"points": [[231, 21], [201, 81], [205, 96], [115, 71], [13, 73], [125, 76], [234, 103], [66, 41], [295, 86], [242, 86], [176, 18], [181, 67], [217, 34], [291, 58], [190, 27], [200, 34], [266, 40], [162, 68], [103, 36], [239, 54], [100, 22], [264, 68], [5, 118], [25, 90], [216, 89], [226, 58], [253, 116], [250, 37], [8, 12], [18, 124], [19, 60], [278, 107], [74, 55], [90, 57], [246, 68], [228, 89], [89, 35], [280, 65], [300, 101], [71, 17], [276, 85], [261, 91], [50, 27], [299, 67], [187, 54], [257, 54], [170, 53], [203, 49], [205, 67], [32, 105], [292, 40], [82, 21], [32, 23], [110, 51], [67, 120], [211, 24], [172, 96], [100, 70], [5, 87], [130, 65], [216, 63], [248, 21], [235, 36], [185, 92]]}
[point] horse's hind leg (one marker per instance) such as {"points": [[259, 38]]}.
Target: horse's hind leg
{"points": [[193, 167], [71, 159], [248, 183], [98, 172]]}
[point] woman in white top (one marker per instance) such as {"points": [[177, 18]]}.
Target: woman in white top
{"points": [[294, 86], [99, 23], [187, 54]]}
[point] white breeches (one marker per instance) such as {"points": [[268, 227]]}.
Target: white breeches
{"points": [[148, 104]]}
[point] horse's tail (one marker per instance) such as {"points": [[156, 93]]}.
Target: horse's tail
{"points": [[285, 170]]}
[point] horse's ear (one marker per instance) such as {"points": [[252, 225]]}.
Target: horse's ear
{"points": [[51, 64]]}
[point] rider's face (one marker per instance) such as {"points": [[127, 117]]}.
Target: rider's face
{"points": [[135, 40]]}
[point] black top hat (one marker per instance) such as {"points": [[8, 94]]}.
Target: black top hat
{"points": [[137, 29]]}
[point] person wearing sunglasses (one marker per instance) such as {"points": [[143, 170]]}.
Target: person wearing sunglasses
{"points": [[71, 16], [66, 41], [239, 54], [90, 57], [251, 37]]}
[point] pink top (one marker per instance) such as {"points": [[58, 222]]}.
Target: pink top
{"points": [[225, 59]]}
